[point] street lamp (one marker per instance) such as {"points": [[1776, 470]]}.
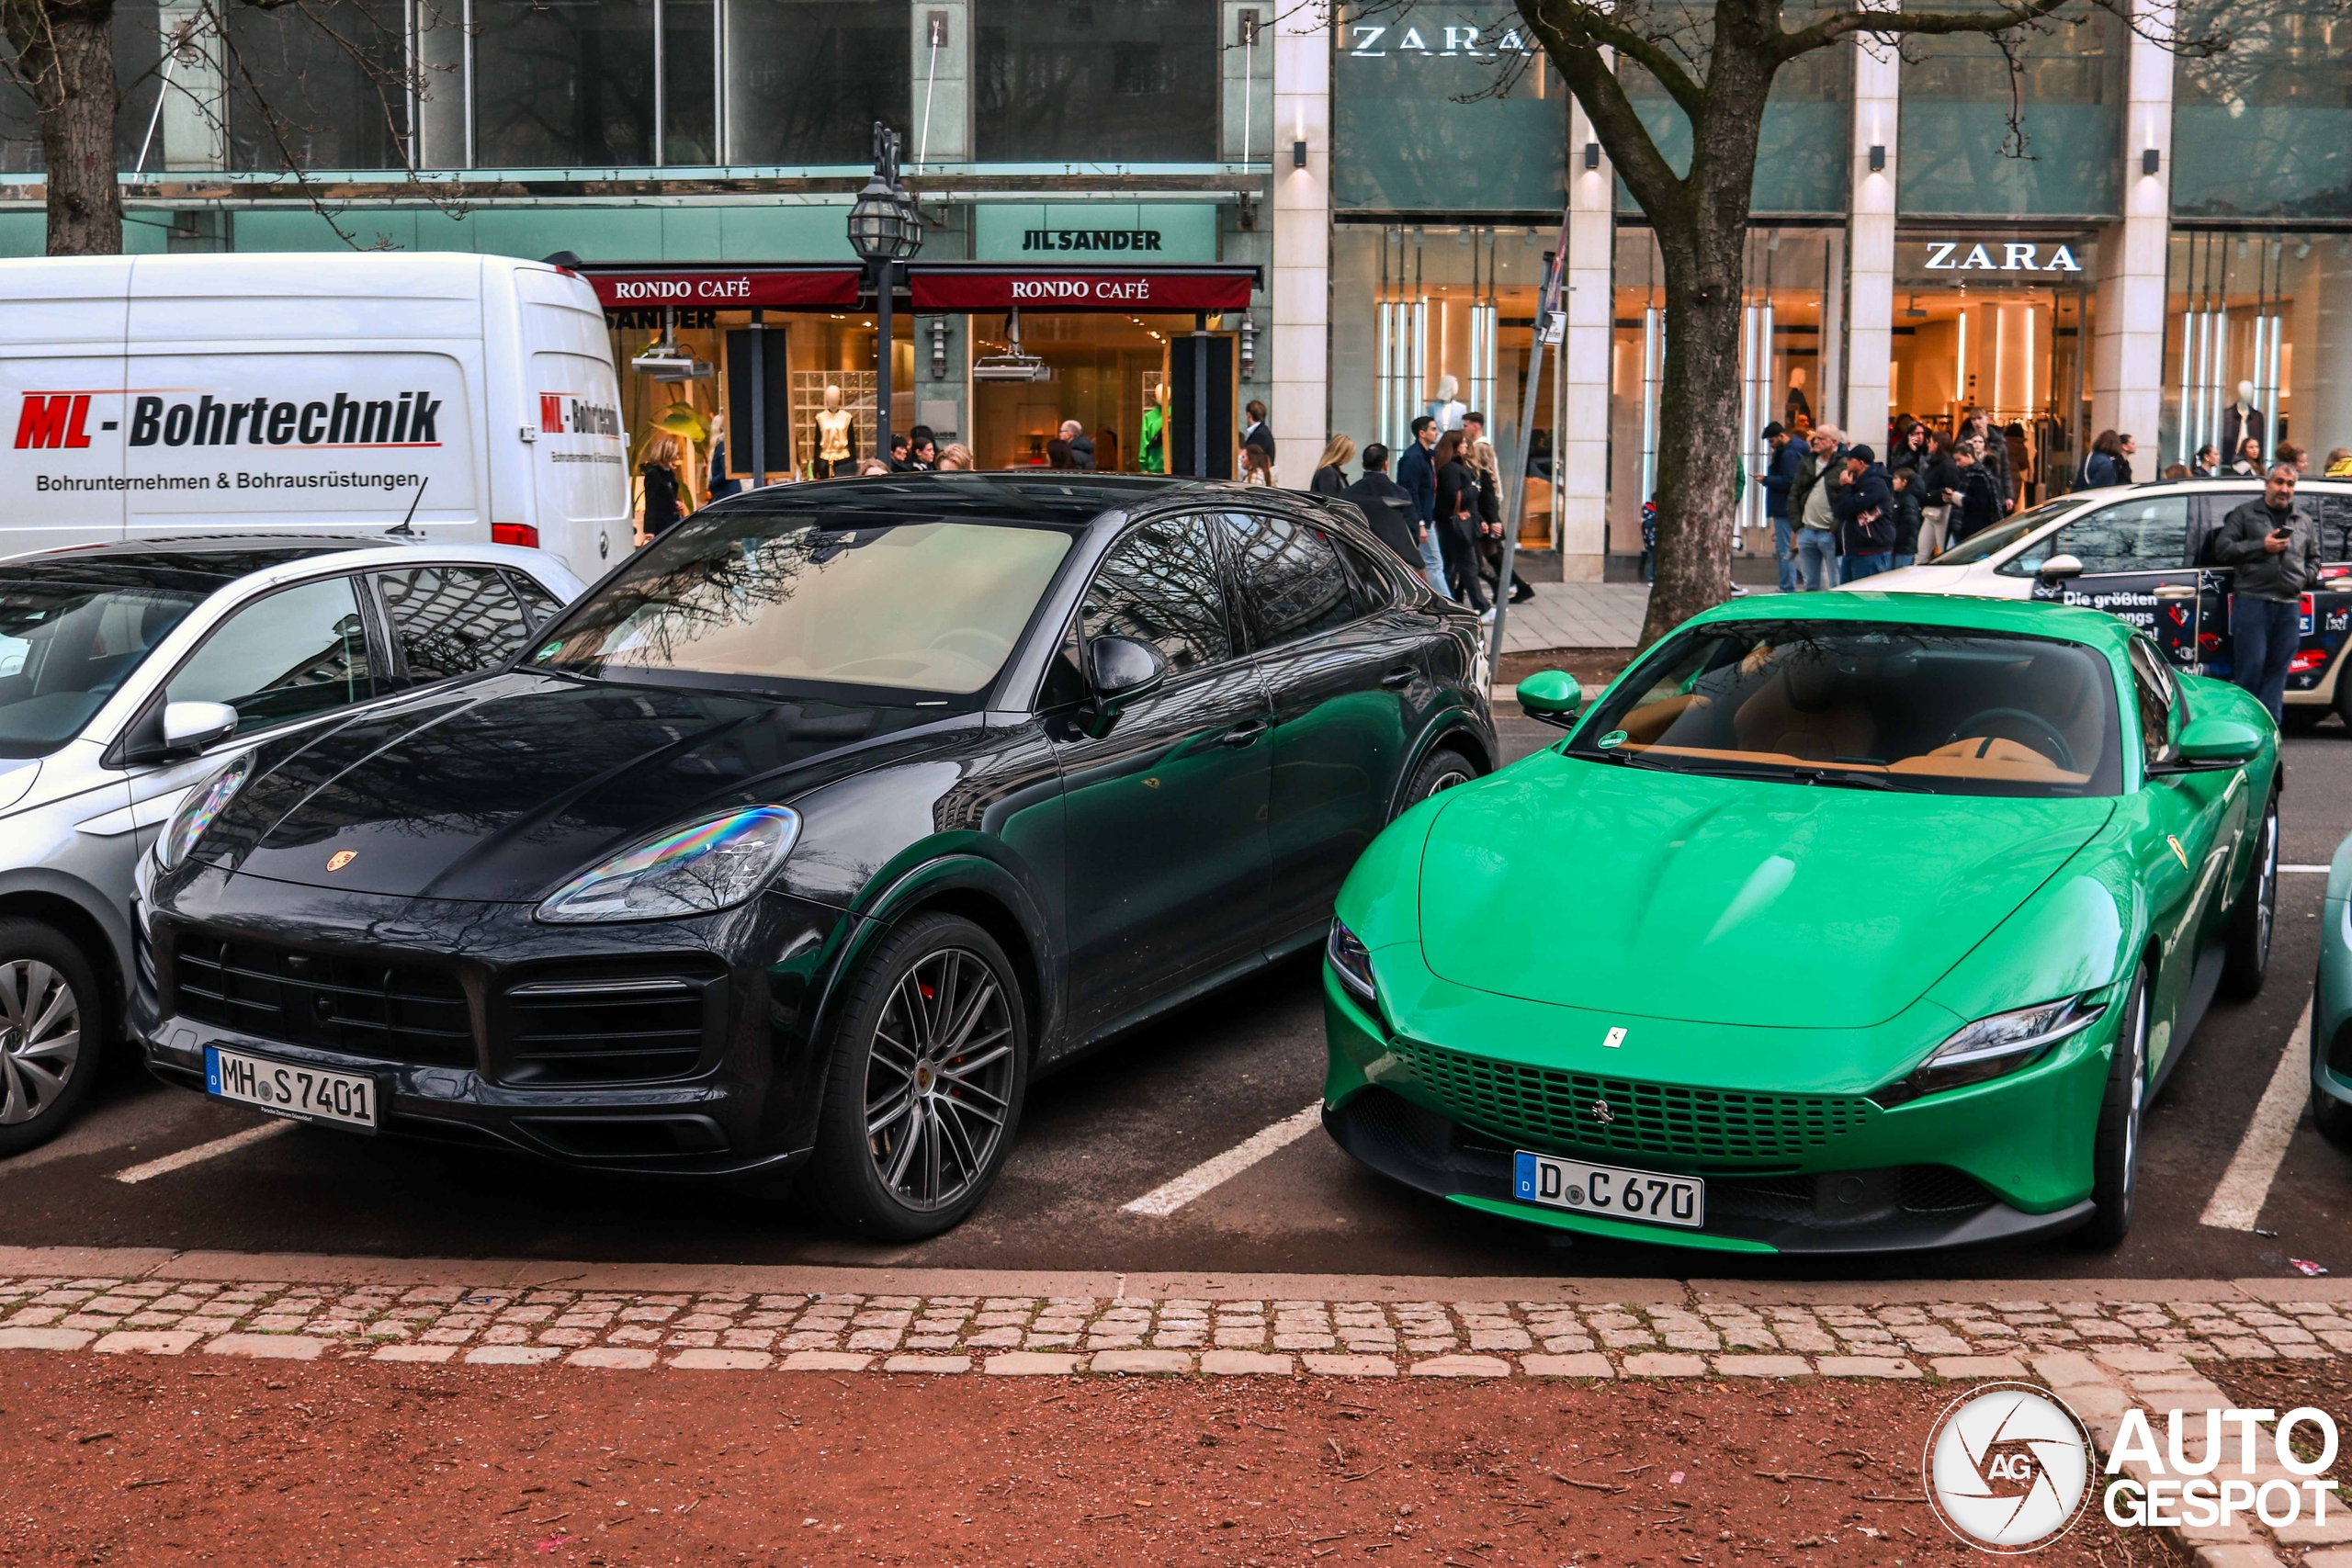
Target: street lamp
{"points": [[885, 228]]}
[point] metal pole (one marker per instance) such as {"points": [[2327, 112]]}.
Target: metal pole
{"points": [[882, 304], [759, 399], [1200, 396], [1514, 487]]}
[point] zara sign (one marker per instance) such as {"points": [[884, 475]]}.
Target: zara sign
{"points": [[2013, 255]]}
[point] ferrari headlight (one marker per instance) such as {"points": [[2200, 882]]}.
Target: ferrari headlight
{"points": [[697, 869], [1993, 1047], [204, 801], [1351, 961]]}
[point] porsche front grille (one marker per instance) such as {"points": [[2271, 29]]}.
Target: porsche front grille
{"points": [[1587, 1112]]}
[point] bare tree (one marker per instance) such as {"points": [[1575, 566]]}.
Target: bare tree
{"points": [[1717, 63]]}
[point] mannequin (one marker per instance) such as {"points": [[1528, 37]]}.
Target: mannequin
{"points": [[1446, 408], [836, 437], [1153, 454], [2240, 419], [1798, 402]]}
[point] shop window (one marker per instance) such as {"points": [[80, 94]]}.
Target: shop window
{"points": [[1418, 126], [2258, 342], [316, 86], [1134, 83], [2263, 128], [1960, 153], [806, 79], [560, 84]]}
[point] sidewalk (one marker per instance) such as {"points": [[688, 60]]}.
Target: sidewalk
{"points": [[1576, 614]]}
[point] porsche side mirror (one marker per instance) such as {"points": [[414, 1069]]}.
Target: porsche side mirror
{"points": [[191, 728], [2057, 568], [1120, 669], [1551, 696], [2218, 739]]}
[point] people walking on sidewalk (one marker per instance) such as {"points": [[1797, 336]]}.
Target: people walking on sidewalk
{"points": [[1974, 501], [1331, 472], [1416, 471], [1940, 474], [1809, 498], [1910, 517], [1457, 520], [1787, 459], [1865, 514], [1389, 507], [2275, 547]]}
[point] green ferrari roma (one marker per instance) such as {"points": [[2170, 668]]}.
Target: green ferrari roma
{"points": [[1842, 922]]}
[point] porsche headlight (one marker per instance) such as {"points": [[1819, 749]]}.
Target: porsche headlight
{"points": [[204, 801], [1351, 961], [1993, 1047], [697, 869]]}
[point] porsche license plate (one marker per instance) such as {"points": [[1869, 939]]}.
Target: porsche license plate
{"points": [[1610, 1190], [312, 1094]]}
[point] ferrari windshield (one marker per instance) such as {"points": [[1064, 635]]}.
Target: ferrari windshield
{"points": [[69, 635], [752, 597], [1868, 706]]}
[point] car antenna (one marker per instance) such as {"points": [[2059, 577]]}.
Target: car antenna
{"points": [[404, 531]]}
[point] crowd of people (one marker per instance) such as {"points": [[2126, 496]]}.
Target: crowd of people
{"points": [[1440, 512]]}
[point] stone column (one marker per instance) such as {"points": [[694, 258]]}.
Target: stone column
{"points": [[1580, 495], [1870, 247], [1296, 357], [2128, 325]]}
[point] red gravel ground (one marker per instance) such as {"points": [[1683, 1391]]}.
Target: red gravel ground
{"points": [[128, 1460]]}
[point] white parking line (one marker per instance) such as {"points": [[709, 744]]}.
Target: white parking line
{"points": [[201, 1153], [1175, 1195], [2237, 1203], [2303, 870]]}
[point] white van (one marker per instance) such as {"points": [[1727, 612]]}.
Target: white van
{"points": [[151, 395]]}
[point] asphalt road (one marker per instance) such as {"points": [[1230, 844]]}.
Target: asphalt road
{"points": [[1139, 1115]]}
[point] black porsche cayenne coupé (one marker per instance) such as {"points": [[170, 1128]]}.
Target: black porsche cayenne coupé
{"points": [[815, 829]]}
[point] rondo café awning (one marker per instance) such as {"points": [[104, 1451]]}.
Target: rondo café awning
{"points": [[929, 285]]}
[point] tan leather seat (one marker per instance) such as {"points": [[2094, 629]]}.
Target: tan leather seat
{"points": [[1648, 722], [1805, 709]]}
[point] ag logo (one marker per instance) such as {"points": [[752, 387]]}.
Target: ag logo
{"points": [[341, 858], [2008, 1468]]}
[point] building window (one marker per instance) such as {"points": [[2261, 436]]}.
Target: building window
{"points": [[1960, 153], [1063, 83], [562, 84], [806, 79], [2264, 129], [2258, 343], [1803, 148], [1417, 127], [318, 87]]}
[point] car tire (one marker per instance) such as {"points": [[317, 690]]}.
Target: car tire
{"points": [[1443, 769], [52, 1031], [2301, 719], [2114, 1150], [921, 1106], [2252, 921]]}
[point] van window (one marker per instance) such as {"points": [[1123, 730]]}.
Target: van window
{"points": [[303, 650], [453, 620]]}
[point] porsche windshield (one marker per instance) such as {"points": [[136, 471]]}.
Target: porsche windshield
{"points": [[1868, 706], [757, 598]]}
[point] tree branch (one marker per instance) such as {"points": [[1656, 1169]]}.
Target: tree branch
{"points": [[1614, 119], [1891, 23], [1601, 30]]}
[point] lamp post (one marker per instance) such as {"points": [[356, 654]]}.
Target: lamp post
{"points": [[885, 228]]}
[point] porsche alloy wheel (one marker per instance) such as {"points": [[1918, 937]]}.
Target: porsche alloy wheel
{"points": [[1441, 770]]}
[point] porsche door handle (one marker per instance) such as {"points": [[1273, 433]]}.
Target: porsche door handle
{"points": [[1242, 734], [1396, 678]]}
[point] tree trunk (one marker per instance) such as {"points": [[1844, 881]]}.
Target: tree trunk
{"points": [[1698, 424], [65, 55]]}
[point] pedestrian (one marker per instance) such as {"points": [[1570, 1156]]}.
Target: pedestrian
{"points": [[1907, 517], [922, 449], [1416, 472], [1912, 449], [873, 466], [1817, 531], [1058, 453], [1483, 459], [1940, 474], [1865, 514], [900, 463], [1080, 446], [1331, 473], [2289, 452], [2339, 463], [954, 458], [1255, 428], [1649, 540], [1257, 466], [2176, 471], [1457, 520], [1993, 457], [666, 498], [1389, 507], [1787, 459], [2248, 462], [1975, 502], [2208, 462], [2126, 449], [2275, 547], [2104, 466]]}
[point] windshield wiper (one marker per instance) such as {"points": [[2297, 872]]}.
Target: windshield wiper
{"points": [[1627, 759], [1831, 776]]}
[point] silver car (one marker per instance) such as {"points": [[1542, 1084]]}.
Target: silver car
{"points": [[128, 670]]}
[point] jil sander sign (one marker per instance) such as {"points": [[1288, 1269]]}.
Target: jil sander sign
{"points": [[1997, 256], [1085, 230]]}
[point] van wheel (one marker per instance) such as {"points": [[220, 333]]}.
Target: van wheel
{"points": [[2247, 959], [930, 1063], [2115, 1151], [52, 1023]]}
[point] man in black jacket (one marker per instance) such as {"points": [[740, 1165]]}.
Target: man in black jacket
{"points": [[1865, 514], [2275, 546], [1416, 472], [1386, 507]]}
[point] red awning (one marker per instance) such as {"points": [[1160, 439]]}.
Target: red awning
{"points": [[640, 286], [986, 286]]}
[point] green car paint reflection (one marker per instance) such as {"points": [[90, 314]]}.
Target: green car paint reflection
{"points": [[2331, 1006], [1881, 915]]}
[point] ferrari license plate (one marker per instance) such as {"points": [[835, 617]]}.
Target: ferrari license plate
{"points": [[311, 1094], [1610, 1190]]}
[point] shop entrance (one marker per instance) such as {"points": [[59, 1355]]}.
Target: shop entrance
{"points": [[1108, 372]]}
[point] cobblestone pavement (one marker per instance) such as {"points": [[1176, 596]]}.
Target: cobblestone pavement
{"points": [[1033, 1333]]}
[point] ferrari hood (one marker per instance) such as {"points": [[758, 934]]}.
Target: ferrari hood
{"points": [[503, 789], [1725, 901]]}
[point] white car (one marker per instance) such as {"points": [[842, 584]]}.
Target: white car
{"points": [[128, 670], [2140, 551]]}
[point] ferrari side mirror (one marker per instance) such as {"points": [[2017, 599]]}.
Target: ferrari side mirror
{"points": [[2218, 739], [1551, 696]]}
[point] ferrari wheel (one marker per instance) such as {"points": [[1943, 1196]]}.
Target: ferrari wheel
{"points": [[2249, 957], [2115, 1157]]}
